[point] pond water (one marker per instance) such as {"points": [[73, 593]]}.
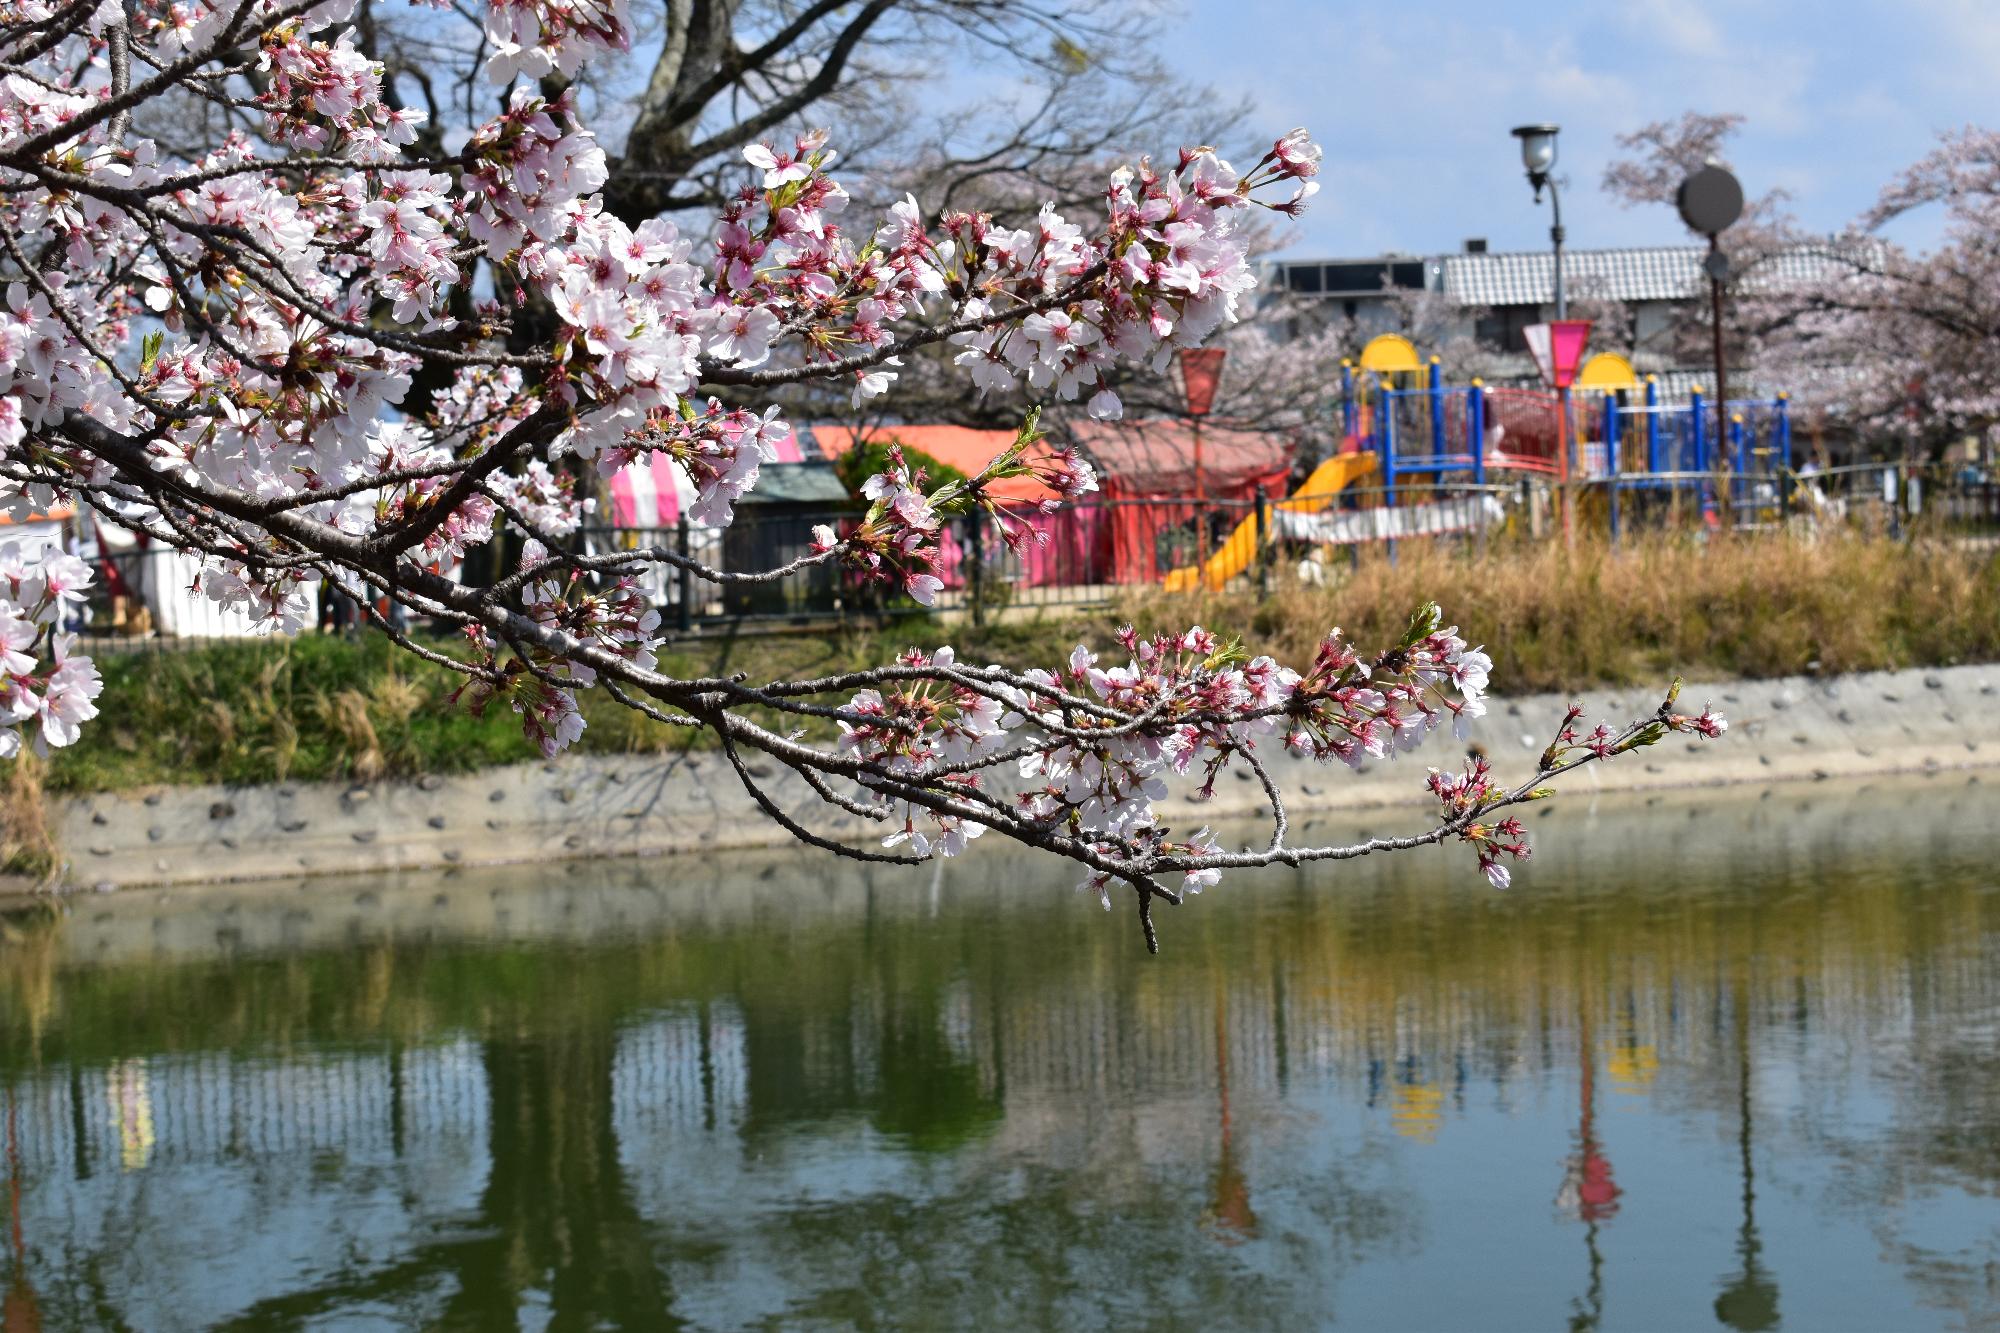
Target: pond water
{"points": [[1718, 1060]]}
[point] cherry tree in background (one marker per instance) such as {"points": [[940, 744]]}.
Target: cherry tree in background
{"points": [[1662, 154], [1896, 348], [216, 346], [1907, 346]]}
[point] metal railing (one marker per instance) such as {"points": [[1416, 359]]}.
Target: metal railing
{"points": [[1894, 499], [1095, 553]]}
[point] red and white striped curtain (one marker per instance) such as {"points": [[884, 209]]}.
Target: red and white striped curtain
{"points": [[652, 492]]}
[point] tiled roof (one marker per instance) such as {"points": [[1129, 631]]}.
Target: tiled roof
{"points": [[811, 481], [1658, 273]]}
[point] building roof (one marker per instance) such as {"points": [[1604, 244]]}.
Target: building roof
{"points": [[809, 482], [1157, 457], [1655, 273]]}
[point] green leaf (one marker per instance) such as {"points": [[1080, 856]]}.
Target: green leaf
{"points": [[1031, 429], [149, 351], [1228, 655], [1072, 56], [1649, 734], [1424, 622]]}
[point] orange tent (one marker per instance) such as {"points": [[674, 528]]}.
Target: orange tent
{"points": [[1061, 548], [964, 447]]}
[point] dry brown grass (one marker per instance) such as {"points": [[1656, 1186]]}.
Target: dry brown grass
{"points": [[1554, 619], [325, 708], [27, 842]]}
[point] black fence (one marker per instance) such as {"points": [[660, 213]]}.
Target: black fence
{"points": [[1096, 553]]}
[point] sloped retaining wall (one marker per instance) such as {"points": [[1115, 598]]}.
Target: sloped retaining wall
{"points": [[586, 806]]}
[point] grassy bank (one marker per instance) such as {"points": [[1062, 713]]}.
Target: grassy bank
{"points": [[1555, 620], [319, 708]]}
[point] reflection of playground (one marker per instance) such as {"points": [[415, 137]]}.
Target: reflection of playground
{"points": [[1228, 1212], [622, 1105], [1749, 1300], [1588, 1193]]}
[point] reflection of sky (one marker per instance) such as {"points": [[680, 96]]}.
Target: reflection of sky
{"points": [[1401, 1113], [264, 1174]]}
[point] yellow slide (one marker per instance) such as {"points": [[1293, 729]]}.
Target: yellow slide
{"points": [[1234, 556]]}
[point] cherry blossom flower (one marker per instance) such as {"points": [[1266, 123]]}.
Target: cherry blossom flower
{"points": [[298, 353]]}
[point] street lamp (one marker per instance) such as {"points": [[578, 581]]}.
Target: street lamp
{"points": [[1538, 155]]}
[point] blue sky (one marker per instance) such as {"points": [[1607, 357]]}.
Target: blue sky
{"points": [[1413, 103]]}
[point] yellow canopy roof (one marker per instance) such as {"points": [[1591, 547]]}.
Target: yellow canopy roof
{"points": [[1390, 353]]}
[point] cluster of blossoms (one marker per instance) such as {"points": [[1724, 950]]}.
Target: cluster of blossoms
{"points": [[1167, 271], [1355, 710], [897, 541], [399, 449], [311, 351], [1463, 796], [720, 449], [934, 732], [532, 40], [544, 499], [327, 95], [54, 696], [615, 620], [1094, 746]]}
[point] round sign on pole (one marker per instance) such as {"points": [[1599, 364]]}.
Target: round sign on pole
{"points": [[1710, 200]]}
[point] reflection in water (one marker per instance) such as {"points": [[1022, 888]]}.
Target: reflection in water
{"points": [[1229, 1211], [1749, 1301], [790, 1093], [1588, 1192], [20, 1312]]}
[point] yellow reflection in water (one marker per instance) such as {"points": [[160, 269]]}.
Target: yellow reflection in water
{"points": [[1417, 1111], [131, 1112], [1633, 1069]]}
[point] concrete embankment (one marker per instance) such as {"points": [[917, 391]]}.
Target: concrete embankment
{"points": [[1797, 728]]}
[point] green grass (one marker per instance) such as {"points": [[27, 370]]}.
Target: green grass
{"points": [[311, 708], [333, 708]]}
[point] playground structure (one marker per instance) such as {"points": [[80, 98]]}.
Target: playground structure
{"points": [[1421, 458], [1611, 433], [1627, 436], [1239, 551]]}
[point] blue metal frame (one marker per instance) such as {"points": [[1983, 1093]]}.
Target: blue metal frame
{"points": [[1475, 430], [1652, 424], [1753, 435]]}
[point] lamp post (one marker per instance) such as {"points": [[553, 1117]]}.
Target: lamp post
{"points": [[1538, 155]]}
